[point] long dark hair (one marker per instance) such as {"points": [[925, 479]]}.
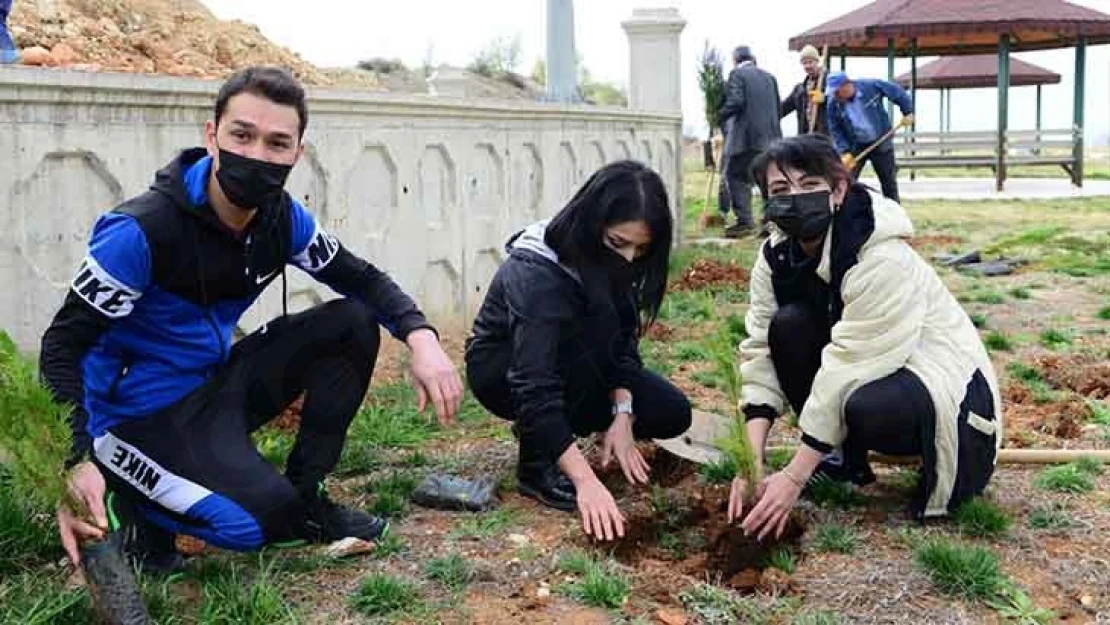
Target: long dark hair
{"points": [[813, 155], [619, 192]]}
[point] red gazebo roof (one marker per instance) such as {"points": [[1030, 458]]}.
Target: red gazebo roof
{"points": [[957, 27], [971, 72]]}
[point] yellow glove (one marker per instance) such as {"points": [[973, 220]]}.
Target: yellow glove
{"points": [[907, 121], [817, 96], [848, 160]]}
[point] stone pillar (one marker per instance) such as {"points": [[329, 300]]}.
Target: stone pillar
{"points": [[655, 73], [562, 70]]}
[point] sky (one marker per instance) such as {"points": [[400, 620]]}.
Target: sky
{"points": [[339, 33]]}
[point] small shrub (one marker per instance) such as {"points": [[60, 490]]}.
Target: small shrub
{"points": [[453, 571], [1104, 313], [720, 471], [962, 570], [998, 342], [1014, 606], [836, 539], [979, 320], [982, 519], [382, 594], [1065, 478], [1020, 293]]}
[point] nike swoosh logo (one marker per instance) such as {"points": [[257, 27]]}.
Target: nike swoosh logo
{"points": [[261, 279]]}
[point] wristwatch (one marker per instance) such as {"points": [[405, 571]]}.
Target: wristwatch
{"points": [[622, 407]]}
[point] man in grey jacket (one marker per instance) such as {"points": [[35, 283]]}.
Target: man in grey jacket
{"points": [[750, 119]]}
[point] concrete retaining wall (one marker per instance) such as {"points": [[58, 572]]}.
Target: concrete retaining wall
{"points": [[427, 188]]}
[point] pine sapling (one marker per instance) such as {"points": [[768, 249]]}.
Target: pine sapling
{"points": [[737, 446]]}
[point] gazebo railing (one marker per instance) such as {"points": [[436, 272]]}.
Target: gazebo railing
{"points": [[1046, 147]]}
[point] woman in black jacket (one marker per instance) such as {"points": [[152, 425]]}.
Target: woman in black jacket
{"points": [[554, 346]]}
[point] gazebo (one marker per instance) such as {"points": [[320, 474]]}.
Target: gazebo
{"points": [[975, 72], [916, 28]]}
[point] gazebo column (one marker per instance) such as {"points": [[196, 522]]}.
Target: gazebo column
{"points": [[843, 59], [948, 112], [1038, 151], [1003, 108], [1080, 79], [890, 71], [940, 122], [913, 95]]}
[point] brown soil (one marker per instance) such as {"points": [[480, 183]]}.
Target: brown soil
{"points": [[728, 557], [708, 273], [659, 331], [1025, 416], [712, 219], [924, 241], [1086, 374]]}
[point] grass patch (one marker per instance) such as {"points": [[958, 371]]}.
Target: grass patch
{"points": [[998, 341], [1056, 339], [1015, 606], [656, 357], [720, 471], [274, 445], [982, 518], [599, 584], [37, 599], [979, 320], [778, 458], [688, 307], [382, 594], [1100, 412], [989, 297], [392, 420], [1021, 293], [486, 524], [688, 350], [960, 570], [1065, 478], [784, 560], [391, 494], [1030, 377], [391, 545], [819, 617], [28, 537], [232, 597], [713, 605], [835, 538], [1104, 313], [827, 492], [453, 571], [1051, 517]]}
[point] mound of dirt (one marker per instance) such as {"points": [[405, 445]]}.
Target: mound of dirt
{"points": [[1085, 374], [706, 273], [184, 38], [924, 241], [659, 331], [1061, 419]]}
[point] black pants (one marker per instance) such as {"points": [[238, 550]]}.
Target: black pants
{"points": [[886, 415], [193, 468], [736, 173], [661, 410], [886, 168]]}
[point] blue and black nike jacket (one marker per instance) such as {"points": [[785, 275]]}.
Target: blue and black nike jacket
{"points": [[150, 313]]}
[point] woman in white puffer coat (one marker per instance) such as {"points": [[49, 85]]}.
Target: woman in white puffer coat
{"points": [[852, 328]]}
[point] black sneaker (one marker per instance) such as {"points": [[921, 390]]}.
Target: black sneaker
{"points": [[550, 487], [327, 521], [834, 468], [739, 231], [146, 546]]}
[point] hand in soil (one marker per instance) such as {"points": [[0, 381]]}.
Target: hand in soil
{"points": [[780, 493], [87, 486], [736, 498], [601, 518], [619, 442]]}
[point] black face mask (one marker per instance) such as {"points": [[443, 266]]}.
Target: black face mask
{"points": [[622, 273], [250, 183], [801, 216]]}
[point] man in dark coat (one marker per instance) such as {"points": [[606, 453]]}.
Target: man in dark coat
{"points": [[750, 118], [808, 96]]}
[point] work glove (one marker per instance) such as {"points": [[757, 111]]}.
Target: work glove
{"points": [[907, 121], [848, 160], [817, 96]]}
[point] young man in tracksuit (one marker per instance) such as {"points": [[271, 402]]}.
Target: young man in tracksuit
{"points": [[857, 118], [163, 403]]}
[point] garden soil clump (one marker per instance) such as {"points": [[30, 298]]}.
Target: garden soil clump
{"points": [[683, 521], [706, 273]]}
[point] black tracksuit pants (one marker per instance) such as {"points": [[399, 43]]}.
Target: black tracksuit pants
{"points": [[886, 415], [193, 469]]}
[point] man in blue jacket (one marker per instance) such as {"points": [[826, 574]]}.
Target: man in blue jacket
{"points": [[857, 118], [163, 404], [8, 52]]}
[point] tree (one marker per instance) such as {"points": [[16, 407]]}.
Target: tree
{"points": [[499, 56], [711, 80], [539, 71]]}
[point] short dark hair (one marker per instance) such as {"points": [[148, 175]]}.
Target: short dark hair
{"points": [[619, 192], [813, 154], [276, 84], [743, 53]]}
